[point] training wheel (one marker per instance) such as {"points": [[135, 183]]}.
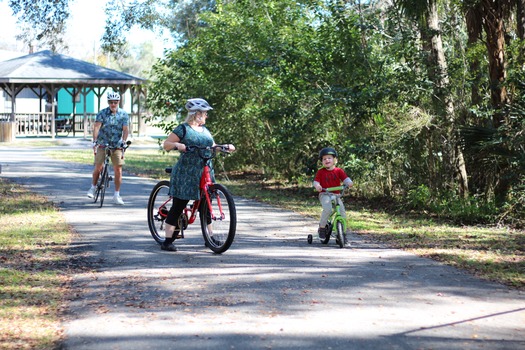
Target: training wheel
{"points": [[310, 239]]}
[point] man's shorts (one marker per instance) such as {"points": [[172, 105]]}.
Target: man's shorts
{"points": [[116, 157]]}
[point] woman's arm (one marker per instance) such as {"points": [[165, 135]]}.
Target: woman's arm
{"points": [[173, 142]]}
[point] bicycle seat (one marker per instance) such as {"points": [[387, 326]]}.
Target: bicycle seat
{"points": [[168, 170]]}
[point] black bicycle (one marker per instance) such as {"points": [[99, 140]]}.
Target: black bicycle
{"points": [[105, 178]]}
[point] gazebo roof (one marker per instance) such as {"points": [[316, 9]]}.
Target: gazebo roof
{"points": [[46, 67]]}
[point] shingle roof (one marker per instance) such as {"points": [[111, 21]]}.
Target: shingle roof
{"points": [[46, 67]]}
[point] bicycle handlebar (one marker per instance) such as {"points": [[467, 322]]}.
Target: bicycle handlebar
{"points": [[221, 148], [333, 189], [106, 147]]}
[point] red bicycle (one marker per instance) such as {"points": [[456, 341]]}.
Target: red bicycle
{"points": [[216, 207]]}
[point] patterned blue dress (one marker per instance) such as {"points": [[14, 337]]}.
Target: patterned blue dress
{"points": [[186, 174]]}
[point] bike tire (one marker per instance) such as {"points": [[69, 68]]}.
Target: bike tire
{"points": [[223, 229], [97, 190], [158, 196], [329, 228], [340, 234], [104, 184]]}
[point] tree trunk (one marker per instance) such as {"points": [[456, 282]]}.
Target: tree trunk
{"points": [[494, 13], [495, 31], [439, 74], [520, 25], [474, 29]]}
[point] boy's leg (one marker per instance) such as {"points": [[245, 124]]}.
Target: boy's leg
{"points": [[326, 204]]}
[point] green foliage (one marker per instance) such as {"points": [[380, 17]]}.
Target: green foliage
{"points": [[287, 78], [449, 206], [41, 22], [277, 74]]}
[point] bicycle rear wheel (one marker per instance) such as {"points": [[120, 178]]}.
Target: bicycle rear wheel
{"points": [[328, 233], [103, 183], [219, 222], [159, 204]]}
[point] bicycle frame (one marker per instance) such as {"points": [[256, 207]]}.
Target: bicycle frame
{"points": [[336, 216], [191, 214]]}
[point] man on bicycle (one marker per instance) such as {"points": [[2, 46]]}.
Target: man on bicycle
{"points": [[111, 130]]}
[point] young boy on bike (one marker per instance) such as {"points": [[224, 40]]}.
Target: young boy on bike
{"points": [[329, 176]]}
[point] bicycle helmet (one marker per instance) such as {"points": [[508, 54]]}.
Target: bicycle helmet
{"points": [[197, 104], [327, 150], [113, 96]]}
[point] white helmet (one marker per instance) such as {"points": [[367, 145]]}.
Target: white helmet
{"points": [[197, 104], [113, 96]]}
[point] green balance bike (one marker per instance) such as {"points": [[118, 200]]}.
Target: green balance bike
{"points": [[335, 220]]}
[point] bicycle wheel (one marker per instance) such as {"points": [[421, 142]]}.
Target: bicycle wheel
{"points": [[219, 222], [159, 205], [340, 234], [97, 189], [103, 184], [329, 228]]}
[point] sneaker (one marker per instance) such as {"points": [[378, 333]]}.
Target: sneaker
{"points": [[322, 232], [170, 247], [91, 192], [118, 200]]}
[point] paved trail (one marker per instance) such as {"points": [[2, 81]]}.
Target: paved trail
{"points": [[271, 290]]}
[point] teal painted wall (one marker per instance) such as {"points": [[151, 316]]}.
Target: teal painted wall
{"points": [[65, 102]]}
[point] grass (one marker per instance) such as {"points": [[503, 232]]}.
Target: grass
{"points": [[33, 276]]}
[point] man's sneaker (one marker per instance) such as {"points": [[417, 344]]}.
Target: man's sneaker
{"points": [[91, 192], [322, 232], [168, 246], [118, 200]]}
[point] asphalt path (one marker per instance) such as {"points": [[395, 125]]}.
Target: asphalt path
{"points": [[271, 290]]}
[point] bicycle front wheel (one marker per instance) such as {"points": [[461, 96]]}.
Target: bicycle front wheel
{"points": [[219, 222], [103, 183], [340, 234], [159, 204]]}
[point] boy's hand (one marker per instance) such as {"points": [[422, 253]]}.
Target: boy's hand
{"points": [[318, 188]]}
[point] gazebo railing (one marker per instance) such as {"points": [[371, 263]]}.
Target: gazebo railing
{"points": [[40, 123]]}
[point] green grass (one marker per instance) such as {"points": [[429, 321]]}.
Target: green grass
{"points": [[33, 269], [492, 253]]}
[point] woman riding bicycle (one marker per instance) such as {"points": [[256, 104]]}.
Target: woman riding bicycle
{"points": [[329, 176], [186, 173]]}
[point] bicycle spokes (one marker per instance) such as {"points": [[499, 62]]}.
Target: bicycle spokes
{"points": [[218, 219]]}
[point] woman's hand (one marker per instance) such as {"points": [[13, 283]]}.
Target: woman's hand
{"points": [[180, 147], [173, 143]]}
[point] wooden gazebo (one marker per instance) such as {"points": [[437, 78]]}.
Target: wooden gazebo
{"points": [[45, 73]]}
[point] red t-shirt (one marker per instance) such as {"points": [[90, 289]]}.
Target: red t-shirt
{"points": [[330, 178]]}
